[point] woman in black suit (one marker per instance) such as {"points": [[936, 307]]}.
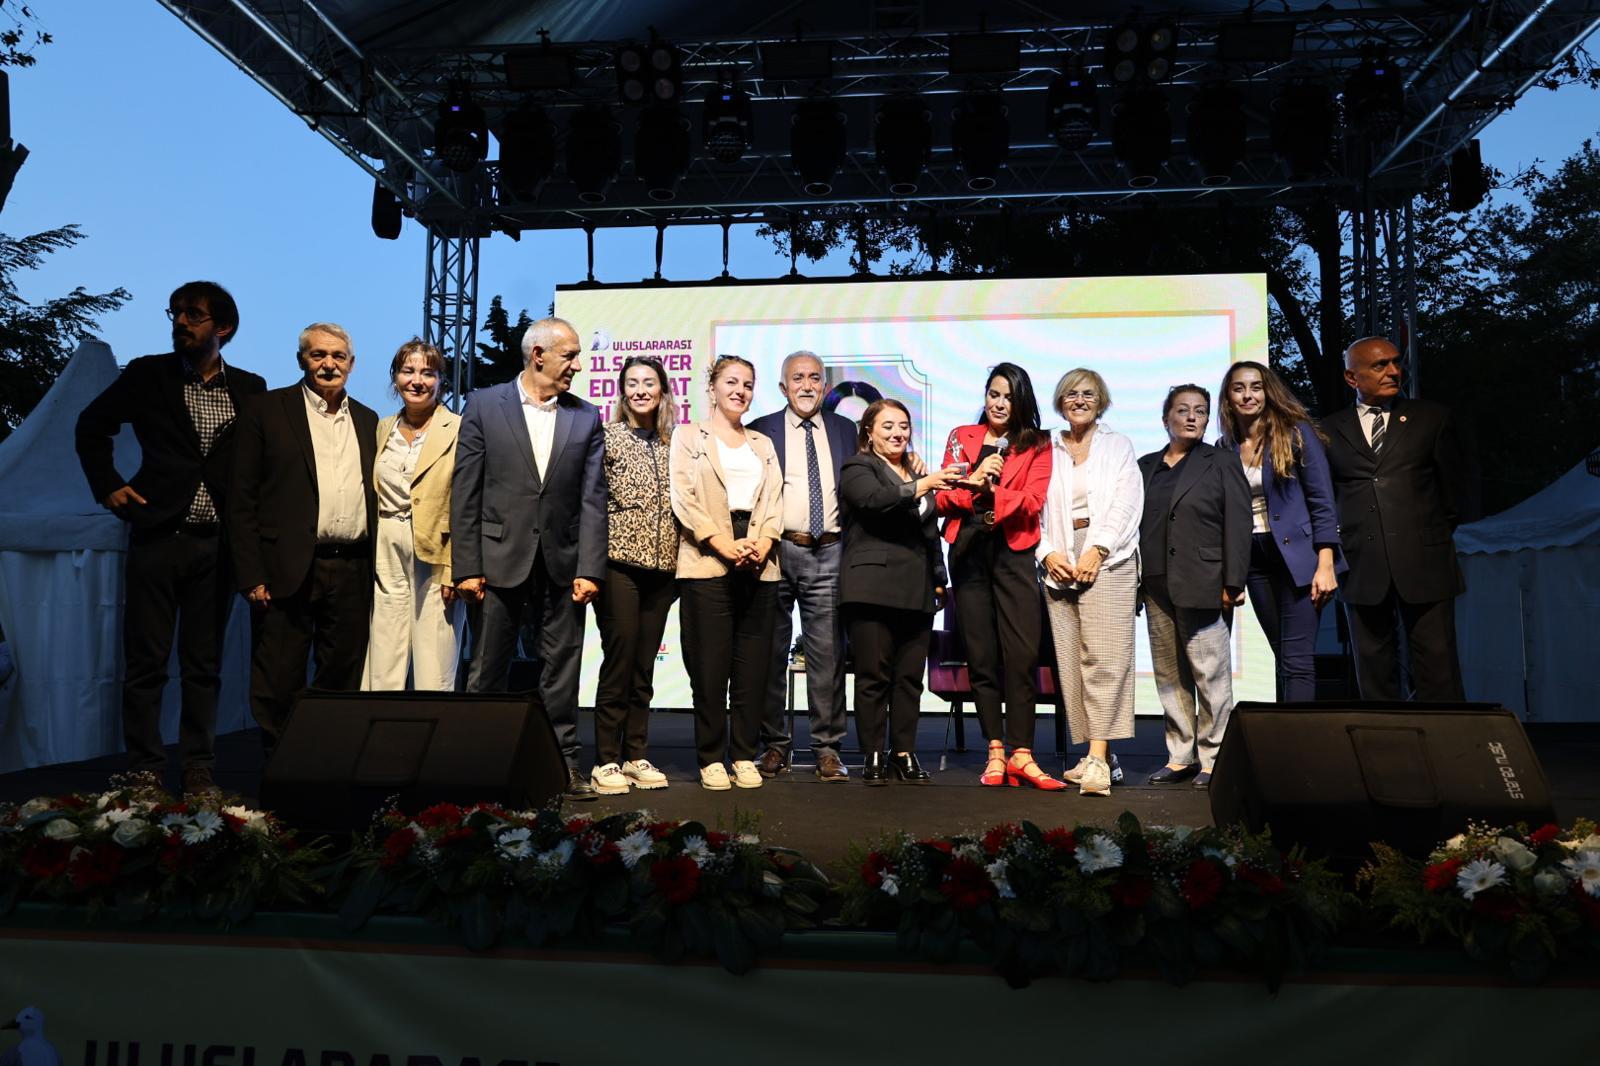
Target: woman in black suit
{"points": [[892, 577]]}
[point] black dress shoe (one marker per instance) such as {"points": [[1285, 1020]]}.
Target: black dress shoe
{"points": [[578, 787], [875, 772], [907, 769], [1202, 780], [1168, 776]]}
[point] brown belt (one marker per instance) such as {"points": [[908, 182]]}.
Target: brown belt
{"points": [[806, 540], [1080, 523]]}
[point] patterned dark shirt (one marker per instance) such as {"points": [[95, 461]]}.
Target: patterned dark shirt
{"points": [[210, 408]]}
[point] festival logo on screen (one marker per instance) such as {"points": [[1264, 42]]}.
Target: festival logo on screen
{"points": [[606, 356], [856, 381], [32, 1049]]}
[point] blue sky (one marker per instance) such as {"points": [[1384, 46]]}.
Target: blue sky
{"points": [[177, 166]]}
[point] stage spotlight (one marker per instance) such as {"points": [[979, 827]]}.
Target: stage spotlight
{"points": [[981, 136], [1141, 136], [1135, 52], [386, 213], [651, 73], [1469, 182], [1374, 99], [461, 132], [527, 152], [817, 144], [1071, 110], [1217, 132], [594, 152], [1302, 129], [725, 127], [661, 150], [904, 141]]}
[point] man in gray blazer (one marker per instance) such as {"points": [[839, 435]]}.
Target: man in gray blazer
{"points": [[528, 525]]}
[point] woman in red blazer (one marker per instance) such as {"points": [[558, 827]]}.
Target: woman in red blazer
{"points": [[992, 525]]}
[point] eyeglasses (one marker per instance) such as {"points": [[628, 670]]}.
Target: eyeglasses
{"points": [[1086, 394], [192, 316], [641, 360]]}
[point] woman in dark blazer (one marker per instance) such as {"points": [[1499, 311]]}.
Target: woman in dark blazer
{"points": [[1194, 542], [891, 579], [1295, 559]]}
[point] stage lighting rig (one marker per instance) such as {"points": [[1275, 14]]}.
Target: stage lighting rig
{"points": [[817, 144], [981, 136], [651, 73], [1469, 181], [661, 150], [904, 140], [1072, 112], [1140, 52], [1374, 98], [1303, 120], [1217, 132], [594, 152], [461, 131], [1141, 135], [527, 151], [386, 213], [725, 125]]}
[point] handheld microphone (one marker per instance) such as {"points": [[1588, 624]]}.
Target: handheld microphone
{"points": [[1001, 445]]}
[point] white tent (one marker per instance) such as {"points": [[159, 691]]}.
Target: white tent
{"points": [[61, 563], [1527, 624]]}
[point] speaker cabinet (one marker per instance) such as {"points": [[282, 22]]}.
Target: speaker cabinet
{"points": [[1335, 777], [344, 754]]}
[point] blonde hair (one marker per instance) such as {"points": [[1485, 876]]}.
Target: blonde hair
{"points": [[1073, 379], [723, 361]]}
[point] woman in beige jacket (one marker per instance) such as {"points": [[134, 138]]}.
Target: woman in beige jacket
{"points": [[726, 494], [416, 625]]}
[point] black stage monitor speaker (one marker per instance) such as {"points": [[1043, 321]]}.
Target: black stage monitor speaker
{"points": [[344, 753], [1337, 776]]}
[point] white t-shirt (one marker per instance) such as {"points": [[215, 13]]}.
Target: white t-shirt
{"points": [[741, 471]]}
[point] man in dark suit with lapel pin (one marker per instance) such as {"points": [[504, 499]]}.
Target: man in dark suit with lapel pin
{"points": [[1398, 475], [301, 518], [528, 525], [182, 407], [808, 559]]}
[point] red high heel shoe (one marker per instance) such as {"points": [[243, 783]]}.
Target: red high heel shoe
{"points": [[994, 772], [1022, 768]]}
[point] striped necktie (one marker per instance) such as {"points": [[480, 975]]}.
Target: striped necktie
{"points": [[1377, 431]]}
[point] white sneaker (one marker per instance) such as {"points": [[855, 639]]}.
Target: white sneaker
{"points": [[715, 778], [608, 780], [1075, 775], [1095, 779], [641, 774], [745, 774]]}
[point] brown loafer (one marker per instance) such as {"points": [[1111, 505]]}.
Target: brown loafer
{"points": [[772, 763], [829, 768]]}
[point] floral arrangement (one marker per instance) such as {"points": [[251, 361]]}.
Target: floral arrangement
{"points": [[681, 888], [143, 853], [1524, 899], [1079, 901]]}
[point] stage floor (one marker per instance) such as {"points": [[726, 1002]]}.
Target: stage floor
{"points": [[823, 820]]}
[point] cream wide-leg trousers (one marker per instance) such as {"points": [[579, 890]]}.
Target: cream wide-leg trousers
{"points": [[412, 626]]}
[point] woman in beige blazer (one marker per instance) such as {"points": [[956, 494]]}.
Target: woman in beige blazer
{"points": [[726, 494], [416, 624]]}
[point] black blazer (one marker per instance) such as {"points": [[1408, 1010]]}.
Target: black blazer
{"points": [[1208, 526], [892, 552], [840, 430], [1398, 511], [148, 395], [272, 511]]}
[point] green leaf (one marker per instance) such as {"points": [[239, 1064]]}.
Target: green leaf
{"points": [[363, 900], [734, 950]]}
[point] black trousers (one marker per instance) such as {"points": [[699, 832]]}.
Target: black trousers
{"points": [[727, 645], [632, 614], [181, 582], [327, 618], [998, 607], [891, 652], [1430, 634]]}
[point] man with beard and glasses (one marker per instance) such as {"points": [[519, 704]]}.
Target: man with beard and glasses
{"points": [[301, 520], [182, 408]]}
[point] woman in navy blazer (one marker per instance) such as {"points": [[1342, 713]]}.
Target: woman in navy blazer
{"points": [[1295, 557]]}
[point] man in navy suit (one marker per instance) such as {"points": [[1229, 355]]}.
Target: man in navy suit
{"points": [[528, 525], [811, 445]]}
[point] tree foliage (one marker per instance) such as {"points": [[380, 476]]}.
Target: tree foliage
{"points": [[500, 359], [36, 340], [19, 34]]}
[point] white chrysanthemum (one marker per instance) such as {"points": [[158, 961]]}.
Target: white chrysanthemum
{"points": [[254, 821], [62, 829], [635, 846], [110, 818], [1514, 853], [697, 849], [131, 832], [890, 885], [104, 800], [515, 843], [1479, 875], [1549, 882], [997, 874], [33, 807], [1100, 853], [176, 820], [205, 826], [1585, 869]]}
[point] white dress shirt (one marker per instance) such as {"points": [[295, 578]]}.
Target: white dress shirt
{"points": [[341, 490], [796, 480], [1365, 413], [1115, 496], [540, 415], [397, 463]]}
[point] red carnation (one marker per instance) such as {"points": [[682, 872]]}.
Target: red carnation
{"points": [[440, 814], [1131, 892], [1268, 882], [46, 859], [1201, 883], [939, 845], [661, 830], [579, 825], [1440, 875], [966, 885], [398, 846], [1544, 834], [97, 867], [1001, 835], [459, 835], [1062, 839], [597, 849], [1500, 907], [874, 868], [677, 878], [716, 839], [173, 855]]}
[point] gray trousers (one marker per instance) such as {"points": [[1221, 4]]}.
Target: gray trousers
{"points": [[809, 577], [1192, 655]]}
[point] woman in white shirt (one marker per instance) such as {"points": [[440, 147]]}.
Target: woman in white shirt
{"points": [[727, 496], [1089, 551]]}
